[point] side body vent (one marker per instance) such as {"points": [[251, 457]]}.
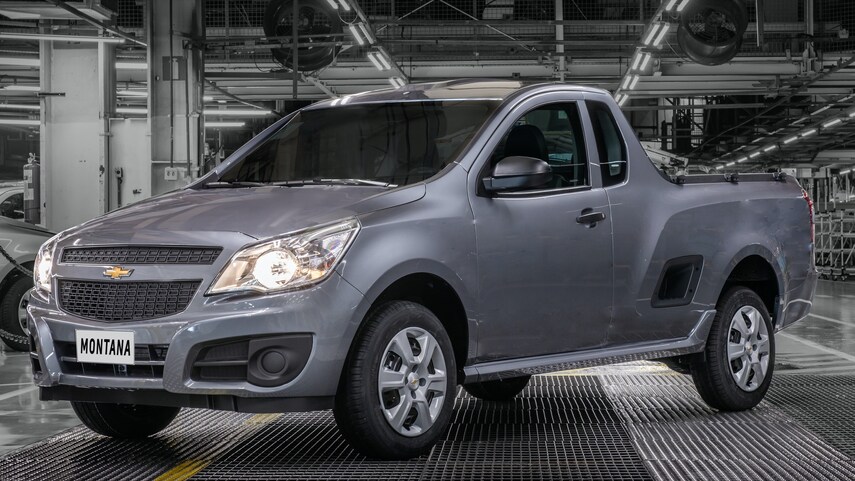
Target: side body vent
{"points": [[678, 282]]}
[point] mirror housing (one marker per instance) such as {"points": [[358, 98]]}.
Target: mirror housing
{"points": [[518, 173]]}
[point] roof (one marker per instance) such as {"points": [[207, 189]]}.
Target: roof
{"points": [[463, 89]]}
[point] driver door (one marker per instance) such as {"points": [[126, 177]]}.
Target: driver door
{"points": [[545, 273]]}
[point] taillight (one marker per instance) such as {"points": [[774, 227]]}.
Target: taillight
{"points": [[810, 214]]}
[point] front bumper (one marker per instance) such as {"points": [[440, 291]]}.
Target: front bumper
{"points": [[329, 313]]}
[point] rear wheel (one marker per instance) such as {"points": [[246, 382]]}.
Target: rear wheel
{"points": [[499, 390], [397, 390], [124, 420], [734, 371], [13, 314]]}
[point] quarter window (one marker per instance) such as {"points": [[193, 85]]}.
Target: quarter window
{"points": [[610, 144]]}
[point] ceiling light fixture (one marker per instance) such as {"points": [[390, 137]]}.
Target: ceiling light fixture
{"points": [[790, 140], [651, 33], [832, 123], [23, 88], [21, 122], [365, 31], [237, 112], [344, 5], [397, 82], [741, 160], [19, 107], [636, 60], [132, 93], [131, 110], [634, 82], [646, 61], [221, 125], [661, 36], [131, 66], [354, 30], [808, 133], [61, 38], [730, 164], [754, 155], [670, 5], [333, 4], [683, 5], [770, 148]]}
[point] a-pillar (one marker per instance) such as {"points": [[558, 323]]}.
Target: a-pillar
{"points": [[175, 32]]}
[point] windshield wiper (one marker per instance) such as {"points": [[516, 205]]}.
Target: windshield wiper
{"points": [[232, 184], [295, 183]]}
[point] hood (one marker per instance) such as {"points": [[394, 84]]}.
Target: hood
{"points": [[191, 216]]}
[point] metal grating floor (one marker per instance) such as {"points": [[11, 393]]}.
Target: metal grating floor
{"points": [[627, 422]]}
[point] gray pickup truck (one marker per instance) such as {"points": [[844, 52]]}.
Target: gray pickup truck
{"points": [[369, 254]]}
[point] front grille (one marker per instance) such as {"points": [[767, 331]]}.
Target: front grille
{"points": [[125, 301], [149, 359], [141, 255]]}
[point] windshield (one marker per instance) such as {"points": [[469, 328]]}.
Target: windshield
{"points": [[390, 143]]}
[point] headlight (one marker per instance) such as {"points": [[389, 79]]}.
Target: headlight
{"points": [[43, 267], [293, 260]]}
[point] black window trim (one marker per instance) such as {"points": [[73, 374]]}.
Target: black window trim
{"points": [[622, 139], [523, 194]]}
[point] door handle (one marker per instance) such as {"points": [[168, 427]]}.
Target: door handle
{"points": [[590, 217]]}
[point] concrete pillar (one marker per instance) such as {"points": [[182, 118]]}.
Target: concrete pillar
{"points": [[175, 85], [75, 157]]}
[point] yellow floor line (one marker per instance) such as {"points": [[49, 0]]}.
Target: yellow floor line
{"points": [[190, 467], [183, 470]]}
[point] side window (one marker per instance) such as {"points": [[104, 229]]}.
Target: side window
{"points": [[13, 207], [610, 144], [552, 133]]}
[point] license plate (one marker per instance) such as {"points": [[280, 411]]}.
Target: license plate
{"points": [[105, 347]]}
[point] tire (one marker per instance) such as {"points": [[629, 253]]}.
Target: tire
{"points": [[501, 390], [125, 421], [713, 372], [12, 326], [377, 422]]}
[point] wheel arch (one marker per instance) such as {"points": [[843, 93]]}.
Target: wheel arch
{"points": [[757, 269], [437, 288]]}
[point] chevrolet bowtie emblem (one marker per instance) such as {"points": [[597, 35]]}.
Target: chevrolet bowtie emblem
{"points": [[117, 272]]}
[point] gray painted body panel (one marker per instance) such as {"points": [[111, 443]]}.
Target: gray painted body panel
{"points": [[540, 291]]}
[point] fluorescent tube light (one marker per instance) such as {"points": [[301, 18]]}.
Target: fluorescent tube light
{"points": [[237, 112], [20, 106], [373, 58], [651, 33], [662, 34], [625, 83], [368, 34], [20, 61], [23, 88], [646, 61], [790, 140], [635, 79], [222, 125], [832, 123], [131, 66], [333, 4], [354, 30], [808, 133], [61, 38], [670, 5], [21, 122], [636, 61], [683, 5], [132, 93], [754, 155], [396, 82], [730, 164], [344, 5], [131, 110], [770, 148]]}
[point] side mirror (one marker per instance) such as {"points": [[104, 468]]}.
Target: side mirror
{"points": [[518, 173]]}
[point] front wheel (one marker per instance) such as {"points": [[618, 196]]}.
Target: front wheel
{"points": [[397, 389], [734, 370], [127, 421]]}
